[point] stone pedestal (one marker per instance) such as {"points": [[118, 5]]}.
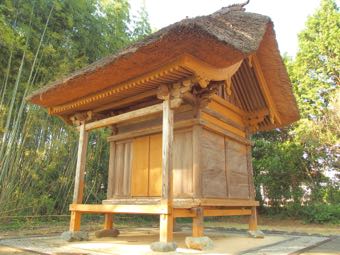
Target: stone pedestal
{"points": [[255, 234], [163, 247], [114, 232], [199, 243], [73, 236]]}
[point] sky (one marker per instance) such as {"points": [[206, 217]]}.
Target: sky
{"points": [[289, 16]]}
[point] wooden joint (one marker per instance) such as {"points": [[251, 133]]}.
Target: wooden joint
{"points": [[163, 92], [253, 119], [202, 80]]}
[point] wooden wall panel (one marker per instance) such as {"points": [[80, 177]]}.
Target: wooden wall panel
{"points": [[140, 167], [155, 165], [122, 169], [237, 171], [213, 165], [226, 112], [182, 164], [220, 123]]}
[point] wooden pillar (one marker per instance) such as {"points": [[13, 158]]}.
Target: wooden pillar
{"points": [[108, 222], [197, 223], [166, 220], [253, 219], [196, 158], [110, 178], [79, 178]]}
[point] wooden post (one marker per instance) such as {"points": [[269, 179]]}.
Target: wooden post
{"points": [[108, 222], [196, 158], [253, 219], [197, 223], [79, 178], [166, 220], [110, 179]]}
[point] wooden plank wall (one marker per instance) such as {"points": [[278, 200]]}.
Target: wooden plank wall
{"points": [[223, 166], [138, 166], [222, 161], [214, 181], [122, 169]]}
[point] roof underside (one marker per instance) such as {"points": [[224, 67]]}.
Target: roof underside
{"points": [[219, 40]]}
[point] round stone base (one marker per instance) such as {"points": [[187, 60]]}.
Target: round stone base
{"points": [[256, 234], [70, 236], [163, 247], [107, 233], [199, 243]]}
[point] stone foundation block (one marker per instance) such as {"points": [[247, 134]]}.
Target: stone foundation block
{"points": [[70, 236], [107, 233], [163, 247], [199, 243], [256, 234]]}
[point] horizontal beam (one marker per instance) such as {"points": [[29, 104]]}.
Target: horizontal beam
{"points": [[207, 212], [128, 209], [226, 212], [151, 130], [153, 109], [126, 101], [124, 117]]}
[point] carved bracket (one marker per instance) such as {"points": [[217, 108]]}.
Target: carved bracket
{"points": [[253, 119], [80, 117]]}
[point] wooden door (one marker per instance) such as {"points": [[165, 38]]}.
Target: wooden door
{"points": [[140, 167], [146, 177]]}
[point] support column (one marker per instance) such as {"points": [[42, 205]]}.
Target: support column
{"points": [[197, 223], [165, 243], [74, 233], [253, 219], [166, 220], [79, 177], [108, 229]]}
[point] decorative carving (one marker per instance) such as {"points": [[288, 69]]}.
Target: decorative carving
{"points": [[202, 81], [88, 116], [228, 84]]}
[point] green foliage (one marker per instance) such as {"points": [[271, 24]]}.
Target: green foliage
{"points": [[315, 73], [300, 164], [42, 40]]}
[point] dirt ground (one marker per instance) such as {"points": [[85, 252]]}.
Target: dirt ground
{"points": [[138, 241]]}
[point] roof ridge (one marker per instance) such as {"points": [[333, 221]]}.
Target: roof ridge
{"points": [[232, 7]]}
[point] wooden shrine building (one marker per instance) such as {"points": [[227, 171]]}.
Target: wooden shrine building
{"points": [[182, 104]]}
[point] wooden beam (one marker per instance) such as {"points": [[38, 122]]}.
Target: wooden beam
{"points": [[226, 212], [125, 117], [228, 202], [132, 115], [80, 168], [126, 101], [220, 130], [151, 130], [274, 114], [183, 213], [128, 209]]}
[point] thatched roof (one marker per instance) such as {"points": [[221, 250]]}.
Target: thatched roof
{"points": [[219, 39]]}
